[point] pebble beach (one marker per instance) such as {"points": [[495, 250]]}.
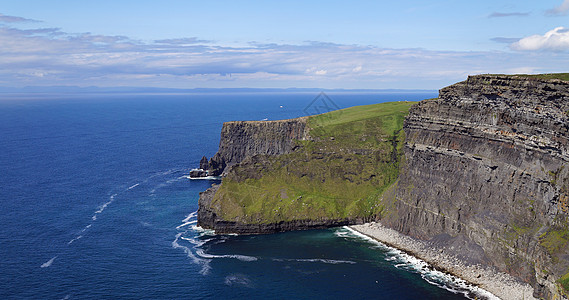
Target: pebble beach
{"points": [[485, 281]]}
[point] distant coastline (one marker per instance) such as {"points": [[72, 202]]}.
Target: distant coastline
{"points": [[76, 90]]}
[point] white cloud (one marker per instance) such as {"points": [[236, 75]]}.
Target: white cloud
{"points": [[48, 56], [559, 10], [553, 40]]}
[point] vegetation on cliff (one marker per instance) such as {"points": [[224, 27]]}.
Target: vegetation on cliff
{"points": [[340, 172], [560, 76]]}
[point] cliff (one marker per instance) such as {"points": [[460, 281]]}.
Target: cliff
{"points": [[485, 176], [242, 139], [321, 171], [478, 173]]}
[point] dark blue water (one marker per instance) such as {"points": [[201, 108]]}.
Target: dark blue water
{"points": [[94, 204]]}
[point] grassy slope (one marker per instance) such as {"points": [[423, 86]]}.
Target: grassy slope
{"points": [[341, 173], [560, 76]]}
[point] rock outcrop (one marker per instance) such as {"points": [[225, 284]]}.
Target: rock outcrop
{"points": [[242, 139], [485, 176]]}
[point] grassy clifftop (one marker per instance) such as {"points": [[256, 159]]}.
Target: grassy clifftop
{"points": [[341, 172], [560, 76]]}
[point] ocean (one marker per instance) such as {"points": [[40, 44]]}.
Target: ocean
{"points": [[95, 204]]}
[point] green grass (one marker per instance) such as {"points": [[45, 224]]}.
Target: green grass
{"points": [[352, 159], [560, 76], [355, 120], [554, 240], [564, 282]]}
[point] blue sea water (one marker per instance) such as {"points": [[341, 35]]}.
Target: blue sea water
{"points": [[94, 204]]}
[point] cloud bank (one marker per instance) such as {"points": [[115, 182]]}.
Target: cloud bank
{"points": [[553, 40], [51, 57]]}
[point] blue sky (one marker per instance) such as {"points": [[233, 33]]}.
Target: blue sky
{"points": [[266, 44]]}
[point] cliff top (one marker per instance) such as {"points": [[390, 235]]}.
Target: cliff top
{"points": [[549, 76], [268, 121]]}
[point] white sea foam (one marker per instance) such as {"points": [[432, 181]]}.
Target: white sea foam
{"points": [[203, 231], [190, 219], [204, 263], [86, 227], [186, 224], [190, 216], [74, 239], [202, 254], [319, 260], [201, 178], [48, 263], [133, 186], [102, 207], [197, 243], [443, 280]]}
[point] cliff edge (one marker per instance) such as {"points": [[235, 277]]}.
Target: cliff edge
{"points": [[485, 176]]}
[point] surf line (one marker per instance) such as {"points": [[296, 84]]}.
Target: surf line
{"points": [[204, 263], [99, 211]]}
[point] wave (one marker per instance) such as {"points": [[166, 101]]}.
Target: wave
{"points": [[186, 224], [188, 220], [410, 263], [202, 262], [202, 178], [202, 254], [197, 243], [203, 231], [320, 260], [48, 263]]}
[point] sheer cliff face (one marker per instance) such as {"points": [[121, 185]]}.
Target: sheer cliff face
{"points": [[485, 173], [241, 139]]}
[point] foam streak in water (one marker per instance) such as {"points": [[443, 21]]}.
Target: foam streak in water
{"points": [[73, 240], [133, 186], [48, 263], [202, 254], [202, 262], [320, 260]]}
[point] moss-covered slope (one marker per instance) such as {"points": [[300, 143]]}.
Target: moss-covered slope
{"points": [[335, 176]]}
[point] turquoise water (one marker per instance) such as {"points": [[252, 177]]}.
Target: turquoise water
{"points": [[95, 204]]}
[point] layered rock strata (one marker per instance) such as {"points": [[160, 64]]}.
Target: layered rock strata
{"points": [[242, 139], [485, 176]]}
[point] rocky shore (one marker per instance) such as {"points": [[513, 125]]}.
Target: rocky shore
{"points": [[480, 174], [499, 284]]}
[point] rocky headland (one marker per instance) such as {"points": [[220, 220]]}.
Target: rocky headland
{"points": [[478, 173]]}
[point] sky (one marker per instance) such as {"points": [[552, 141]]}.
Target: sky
{"points": [[277, 44]]}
